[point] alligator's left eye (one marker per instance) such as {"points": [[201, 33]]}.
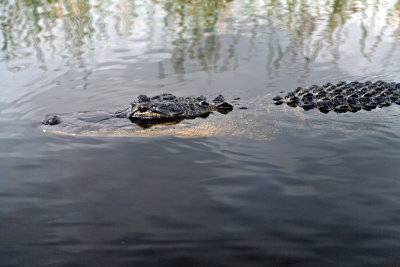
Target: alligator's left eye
{"points": [[143, 108], [225, 105]]}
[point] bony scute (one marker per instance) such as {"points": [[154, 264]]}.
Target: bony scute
{"points": [[343, 97]]}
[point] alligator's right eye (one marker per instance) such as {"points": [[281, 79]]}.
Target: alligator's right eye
{"points": [[143, 108]]}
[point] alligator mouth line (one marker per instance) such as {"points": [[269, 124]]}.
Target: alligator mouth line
{"points": [[146, 114], [147, 122]]}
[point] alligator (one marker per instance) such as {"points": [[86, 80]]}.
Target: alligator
{"points": [[160, 109], [167, 109], [343, 97]]}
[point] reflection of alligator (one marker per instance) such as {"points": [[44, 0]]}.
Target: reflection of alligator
{"points": [[164, 108], [343, 97]]}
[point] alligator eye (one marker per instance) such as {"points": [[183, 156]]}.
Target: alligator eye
{"points": [[143, 108], [225, 105]]}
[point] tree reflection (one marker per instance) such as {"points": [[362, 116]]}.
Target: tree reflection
{"points": [[203, 32]]}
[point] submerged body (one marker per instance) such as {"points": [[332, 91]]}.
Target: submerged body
{"points": [[146, 112], [343, 97]]}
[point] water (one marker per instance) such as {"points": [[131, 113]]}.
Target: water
{"points": [[270, 185]]}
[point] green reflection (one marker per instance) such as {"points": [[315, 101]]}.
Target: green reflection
{"points": [[206, 33]]}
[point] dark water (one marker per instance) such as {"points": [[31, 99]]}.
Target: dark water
{"points": [[267, 186]]}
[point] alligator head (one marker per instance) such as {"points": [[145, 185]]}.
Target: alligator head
{"points": [[167, 108]]}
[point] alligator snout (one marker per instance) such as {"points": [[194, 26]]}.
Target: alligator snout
{"points": [[51, 120]]}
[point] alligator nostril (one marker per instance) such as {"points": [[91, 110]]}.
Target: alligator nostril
{"points": [[51, 120]]}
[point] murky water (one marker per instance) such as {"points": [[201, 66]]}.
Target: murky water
{"points": [[265, 186]]}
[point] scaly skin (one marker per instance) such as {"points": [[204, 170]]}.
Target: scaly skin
{"points": [[343, 97]]}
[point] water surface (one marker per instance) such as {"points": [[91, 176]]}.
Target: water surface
{"points": [[270, 185]]}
